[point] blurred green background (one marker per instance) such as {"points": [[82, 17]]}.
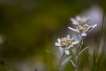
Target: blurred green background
{"points": [[29, 28]]}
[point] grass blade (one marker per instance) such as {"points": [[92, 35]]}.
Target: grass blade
{"points": [[100, 33]]}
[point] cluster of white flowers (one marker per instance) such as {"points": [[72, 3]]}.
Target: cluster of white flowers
{"points": [[82, 28]]}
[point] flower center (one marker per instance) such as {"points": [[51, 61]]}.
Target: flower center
{"points": [[86, 25], [69, 41], [80, 27], [63, 39], [64, 44]]}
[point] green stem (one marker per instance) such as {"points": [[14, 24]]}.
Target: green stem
{"points": [[61, 60], [77, 59]]}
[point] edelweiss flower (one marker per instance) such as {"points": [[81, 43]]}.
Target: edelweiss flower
{"points": [[79, 20], [83, 30], [66, 43]]}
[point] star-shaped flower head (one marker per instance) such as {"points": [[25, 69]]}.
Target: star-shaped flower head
{"points": [[79, 20], [66, 43], [82, 28]]}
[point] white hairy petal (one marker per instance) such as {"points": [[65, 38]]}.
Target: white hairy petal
{"points": [[94, 26], [74, 43], [78, 18], [73, 29], [67, 52], [68, 37], [69, 46], [61, 50], [77, 30], [88, 29], [74, 21], [85, 19], [57, 44], [59, 40], [83, 34]]}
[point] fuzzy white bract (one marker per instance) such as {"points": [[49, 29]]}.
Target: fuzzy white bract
{"points": [[66, 43], [82, 28], [79, 20]]}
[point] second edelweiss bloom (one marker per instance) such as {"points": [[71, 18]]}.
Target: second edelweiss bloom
{"points": [[66, 43], [82, 29]]}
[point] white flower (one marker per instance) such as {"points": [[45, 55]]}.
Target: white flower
{"points": [[79, 20], [66, 43], [83, 30]]}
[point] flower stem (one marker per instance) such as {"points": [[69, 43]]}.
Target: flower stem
{"points": [[81, 52], [78, 49], [73, 63], [61, 60]]}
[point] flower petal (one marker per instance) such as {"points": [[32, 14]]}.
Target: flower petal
{"points": [[83, 34], [68, 37], [57, 44], [77, 30], [59, 40], [67, 52], [61, 50], [94, 26], [73, 29], [69, 47], [85, 19], [88, 29], [74, 21], [78, 18], [74, 43]]}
